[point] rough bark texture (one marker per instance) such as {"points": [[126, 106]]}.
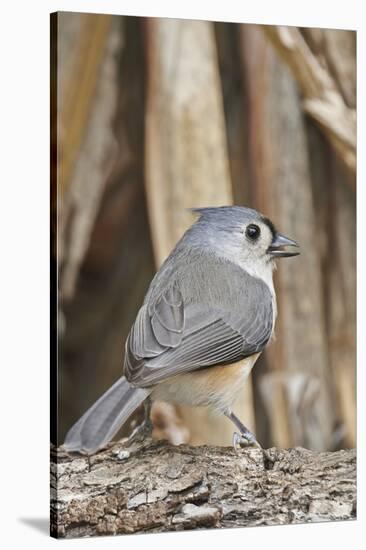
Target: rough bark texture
{"points": [[156, 487]]}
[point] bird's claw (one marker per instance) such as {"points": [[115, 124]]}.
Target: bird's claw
{"points": [[247, 440], [140, 433]]}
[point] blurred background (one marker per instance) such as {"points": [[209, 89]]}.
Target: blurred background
{"points": [[153, 116]]}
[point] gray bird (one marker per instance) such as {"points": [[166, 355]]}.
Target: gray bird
{"points": [[208, 314]]}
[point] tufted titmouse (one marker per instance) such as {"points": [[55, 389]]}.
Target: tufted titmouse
{"points": [[207, 316]]}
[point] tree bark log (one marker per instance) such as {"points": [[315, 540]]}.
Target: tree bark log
{"points": [[156, 487]]}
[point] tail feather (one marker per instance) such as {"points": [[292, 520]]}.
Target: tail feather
{"points": [[102, 421]]}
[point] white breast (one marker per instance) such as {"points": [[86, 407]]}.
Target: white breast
{"points": [[215, 387]]}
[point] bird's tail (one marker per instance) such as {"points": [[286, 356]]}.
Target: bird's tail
{"points": [[102, 421]]}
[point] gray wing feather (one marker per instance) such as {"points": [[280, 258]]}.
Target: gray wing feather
{"points": [[168, 316], [142, 340], [159, 325], [189, 327]]}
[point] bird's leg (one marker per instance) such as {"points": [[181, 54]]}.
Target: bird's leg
{"points": [[245, 436], [144, 429], [147, 423]]}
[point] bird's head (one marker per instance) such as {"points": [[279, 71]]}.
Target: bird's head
{"points": [[243, 236]]}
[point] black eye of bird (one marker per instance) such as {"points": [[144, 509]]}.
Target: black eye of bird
{"points": [[253, 232]]}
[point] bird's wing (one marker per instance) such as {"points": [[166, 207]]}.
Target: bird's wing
{"points": [[174, 334]]}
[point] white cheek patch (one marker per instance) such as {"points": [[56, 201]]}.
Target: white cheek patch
{"points": [[254, 262]]}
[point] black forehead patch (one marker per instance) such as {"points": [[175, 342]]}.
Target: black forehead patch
{"points": [[270, 225]]}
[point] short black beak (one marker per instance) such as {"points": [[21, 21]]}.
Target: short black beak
{"points": [[276, 249]]}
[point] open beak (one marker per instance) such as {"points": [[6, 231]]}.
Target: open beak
{"points": [[277, 249]]}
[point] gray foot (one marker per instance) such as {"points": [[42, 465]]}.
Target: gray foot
{"points": [[247, 440], [140, 433], [245, 437]]}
